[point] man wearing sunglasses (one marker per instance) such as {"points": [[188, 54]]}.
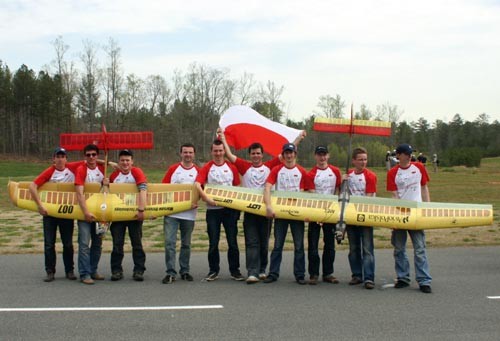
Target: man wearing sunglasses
{"points": [[89, 242]]}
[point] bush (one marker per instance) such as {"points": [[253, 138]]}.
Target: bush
{"points": [[469, 157]]}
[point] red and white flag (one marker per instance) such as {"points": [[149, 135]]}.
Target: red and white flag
{"points": [[243, 126]]}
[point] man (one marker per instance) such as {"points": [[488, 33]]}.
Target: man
{"points": [[362, 182], [127, 173], [326, 180], [60, 171], [287, 177], [219, 172], [256, 228], [184, 172], [89, 242], [408, 181]]}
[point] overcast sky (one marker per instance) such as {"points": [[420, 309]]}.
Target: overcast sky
{"points": [[431, 58]]}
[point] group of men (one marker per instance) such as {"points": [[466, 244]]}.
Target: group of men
{"points": [[407, 180]]}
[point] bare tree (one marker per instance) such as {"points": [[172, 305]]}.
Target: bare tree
{"points": [[388, 112], [158, 94], [113, 78], [245, 89], [331, 107], [88, 94]]}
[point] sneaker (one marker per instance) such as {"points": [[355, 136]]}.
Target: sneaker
{"points": [[262, 276], [426, 289], [252, 279], [313, 280], [237, 277], [369, 285], [97, 277], [169, 279], [330, 279], [212, 276], [301, 281], [88, 281], [187, 277], [70, 275], [355, 281], [116, 276], [401, 284], [138, 276], [49, 278], [270, 279]]}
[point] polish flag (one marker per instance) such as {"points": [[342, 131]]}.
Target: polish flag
{"points": [[243, 126]]}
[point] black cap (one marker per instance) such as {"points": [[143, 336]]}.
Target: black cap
{"points": [[321, 150], [404, 149], [126, 152], [60, 150], [288, 147]]}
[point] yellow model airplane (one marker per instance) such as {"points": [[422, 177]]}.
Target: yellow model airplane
{"points": [[119, 204], [361, 211]]}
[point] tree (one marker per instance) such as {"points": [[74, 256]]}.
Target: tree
{"points": [[388, 112], [113, 79], [331, 107], [270, 97], [88, 93]]}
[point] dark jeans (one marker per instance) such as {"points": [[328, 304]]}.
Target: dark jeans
{"points": [[66, 227], [229, 219], [299, 261], [257, 229], [135, 233], [328, 257], [361, 255]]}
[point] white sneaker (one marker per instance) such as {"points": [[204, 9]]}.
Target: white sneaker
{"points": [[252, 279], [262, 276]]}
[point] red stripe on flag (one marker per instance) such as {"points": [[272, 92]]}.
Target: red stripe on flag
{"points": [[242, 135]]}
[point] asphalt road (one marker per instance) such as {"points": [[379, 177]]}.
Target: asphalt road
{"points": [[458, 308]]}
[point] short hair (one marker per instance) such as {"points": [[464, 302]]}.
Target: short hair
{"points": [[90, 147], [357, 151], [256, 145], [215, 143], [188, 145]]}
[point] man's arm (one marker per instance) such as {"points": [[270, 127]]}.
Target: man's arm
{"points": [[267, 200], [142, 201], [80, 196], [425, 194], [36, 198], [203, 195], [230, 156]]}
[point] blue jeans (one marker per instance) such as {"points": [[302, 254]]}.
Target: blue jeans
{"points": [[66, 227], [89, 249], [361, 254], [280, 231], [170, 227], [328, 256], [398, 240], [229, 219], [135, 233], [257, 229]]}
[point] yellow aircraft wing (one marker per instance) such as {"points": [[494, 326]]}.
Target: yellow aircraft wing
{"points": [[119, 204], [361, 211]]}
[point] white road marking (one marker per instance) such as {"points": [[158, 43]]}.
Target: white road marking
{"points": [[53, 309], [493, 297]]}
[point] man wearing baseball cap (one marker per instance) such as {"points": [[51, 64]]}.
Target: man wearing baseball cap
{"points": [[408, 180]]}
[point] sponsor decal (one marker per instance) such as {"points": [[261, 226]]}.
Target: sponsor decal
{"points": [[388, 219], [65, 209], [293, 213], [228, 201], [254, 206]]}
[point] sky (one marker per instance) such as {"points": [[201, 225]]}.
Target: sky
{"points": [[431, 58]]}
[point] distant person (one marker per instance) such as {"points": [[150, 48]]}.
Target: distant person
{"points": [[422, 158], [220, 172], [435, 163], [362, 182], [408, 181], [127, 173], [291, 177], [388, 160], [60, 171], [183, 172], [393, 159], [327, 180]]}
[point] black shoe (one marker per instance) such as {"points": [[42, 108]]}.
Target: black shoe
{"points": [[270, 279], [212, 276], [301, 281], [169, 279], [187, 277], [49, 278], [401, 284], [138, 276], [70, 275], [116, 276], [426, 289], [237, 277]]}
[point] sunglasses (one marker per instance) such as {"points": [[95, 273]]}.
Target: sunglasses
{"points": [[91, 154]]}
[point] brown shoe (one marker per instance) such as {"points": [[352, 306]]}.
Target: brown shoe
{"points": [[331, 279], [313, 280], [355, 281], [70, 275], [97, 277], [49, 277], [369, 285], [88, 281]]}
